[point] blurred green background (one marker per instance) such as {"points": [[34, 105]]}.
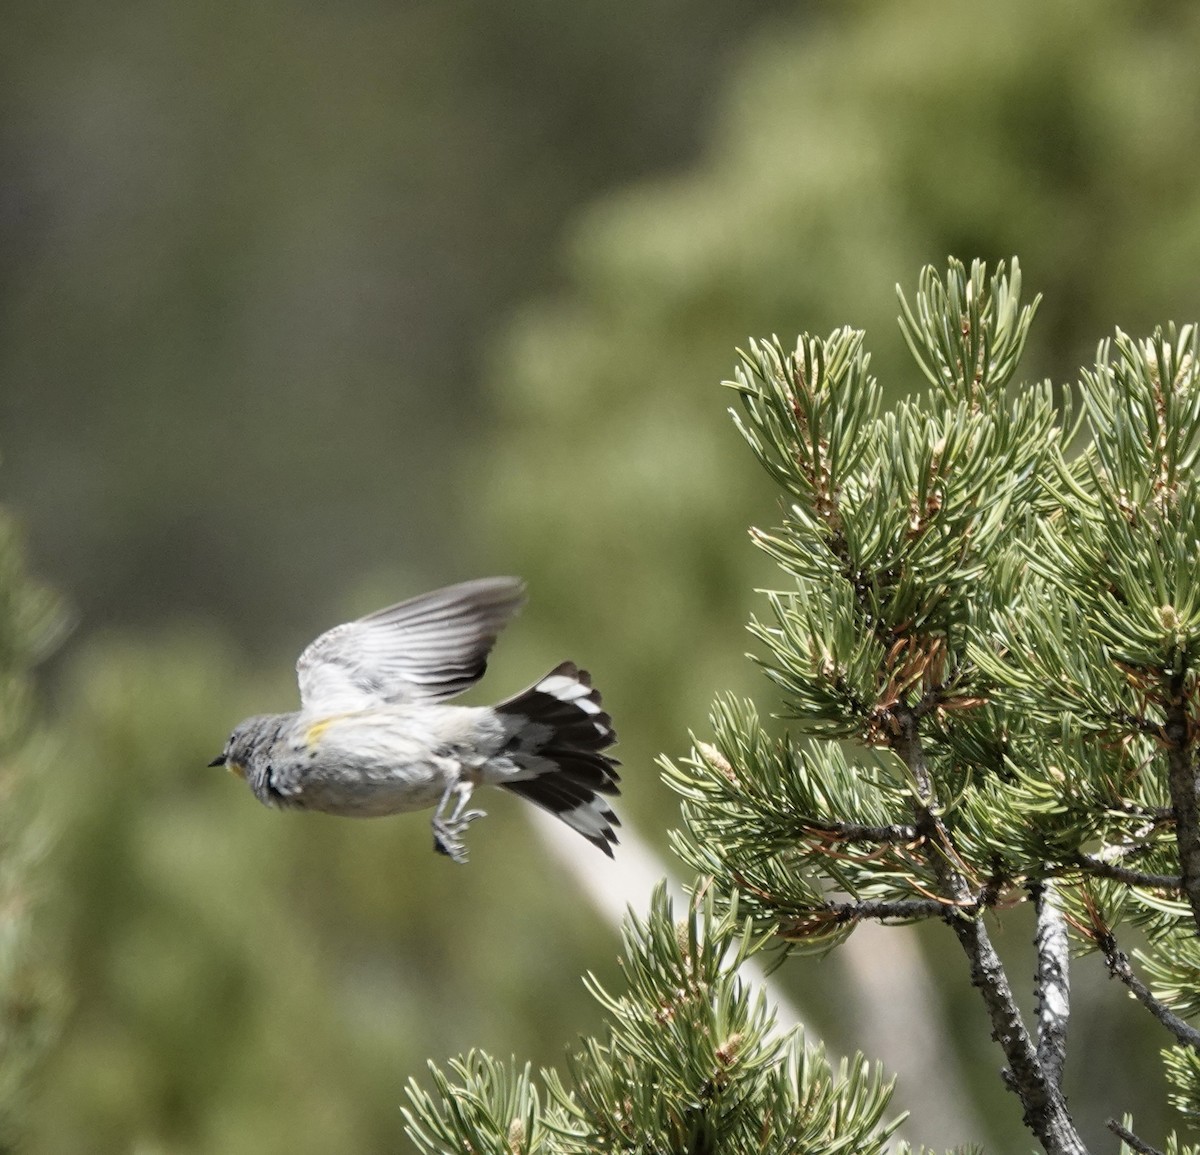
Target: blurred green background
{"points": [[306, 308]]}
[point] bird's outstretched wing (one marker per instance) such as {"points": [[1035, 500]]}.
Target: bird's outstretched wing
{"points": [[426, 649]]}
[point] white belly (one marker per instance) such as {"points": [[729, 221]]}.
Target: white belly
{"points": [[372, 764]]}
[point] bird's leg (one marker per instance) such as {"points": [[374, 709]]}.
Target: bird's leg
{"points": [[449, 829]]}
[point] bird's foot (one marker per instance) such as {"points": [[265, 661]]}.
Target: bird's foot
{"points": [[448, 834]]}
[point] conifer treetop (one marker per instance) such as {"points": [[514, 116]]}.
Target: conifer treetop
{"points": [[986, 639]]}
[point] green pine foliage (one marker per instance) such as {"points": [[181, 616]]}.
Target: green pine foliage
{"points": [[691, 1062], [985, 637], [988, 634]]}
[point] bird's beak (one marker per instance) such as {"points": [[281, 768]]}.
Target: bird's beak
{"points": [[219, 760]]}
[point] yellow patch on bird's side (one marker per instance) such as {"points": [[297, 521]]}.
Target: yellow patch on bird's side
{"points": [[313, 734]]}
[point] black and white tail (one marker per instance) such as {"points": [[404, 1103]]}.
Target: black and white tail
{"points": [[561, 732]]}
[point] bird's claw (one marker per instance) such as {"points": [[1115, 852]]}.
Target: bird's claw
{"points": [[448, 834]]}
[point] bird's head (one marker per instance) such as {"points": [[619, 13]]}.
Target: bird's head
{"points": [[247, 739]]}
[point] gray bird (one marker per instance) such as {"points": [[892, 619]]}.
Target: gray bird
{"points": [[372, 736]]}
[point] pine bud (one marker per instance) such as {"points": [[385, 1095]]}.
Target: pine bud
{"points": [[716, 760]]}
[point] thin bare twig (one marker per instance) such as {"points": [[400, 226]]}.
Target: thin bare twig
{"points": [[907, 910], [1131, 1140], [1119, 968], [1114, 870]]}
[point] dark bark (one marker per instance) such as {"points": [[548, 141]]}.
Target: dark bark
{"points": [[1045, 1110], [1184, 803]]}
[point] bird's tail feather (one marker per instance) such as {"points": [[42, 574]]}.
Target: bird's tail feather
{"points": [[562, 732]]}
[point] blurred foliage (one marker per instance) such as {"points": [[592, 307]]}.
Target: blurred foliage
{"points": [[252, 258], [251, 255], [31, 996]]}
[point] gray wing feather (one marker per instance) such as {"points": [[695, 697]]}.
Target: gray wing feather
{"points": [[428, 648]]}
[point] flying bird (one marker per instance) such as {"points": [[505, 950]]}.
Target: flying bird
{"points": [[373, 736]]}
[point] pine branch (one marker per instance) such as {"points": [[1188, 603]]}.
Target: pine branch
{"points": [[1118, 873], [1182, 782], [1017, 625], [1052, 981], [1045, 1110], [1131, 1140], [1119, 968], [841, 913], [691, 1061]]}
